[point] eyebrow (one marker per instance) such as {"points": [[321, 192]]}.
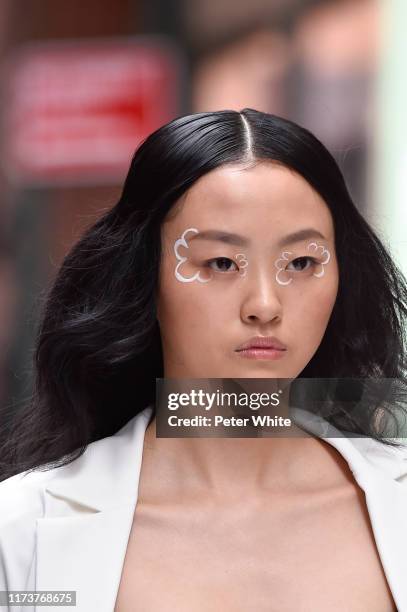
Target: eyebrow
{"points": [[235, 239]]}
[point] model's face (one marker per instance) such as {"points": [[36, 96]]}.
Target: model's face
{"points": [[214, 295]]}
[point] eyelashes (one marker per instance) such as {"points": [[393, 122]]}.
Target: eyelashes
{"points": [[240, 257], [213, 264], [215, 260], [305, 258], [313, 246]]}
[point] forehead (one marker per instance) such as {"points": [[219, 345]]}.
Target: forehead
{"points": [[264, 200]]}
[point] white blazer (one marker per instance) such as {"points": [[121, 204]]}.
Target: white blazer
{"points": [[67, 528]]}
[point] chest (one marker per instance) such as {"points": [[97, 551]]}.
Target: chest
{"points": [[316, 555]]}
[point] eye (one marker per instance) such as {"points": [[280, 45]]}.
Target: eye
{"points": [[303, 260], [224, 261]]}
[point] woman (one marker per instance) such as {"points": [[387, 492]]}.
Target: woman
{"points": [[234, 229]]}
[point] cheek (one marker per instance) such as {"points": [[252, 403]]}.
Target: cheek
{"points": [[189, 309], [311, 309]]}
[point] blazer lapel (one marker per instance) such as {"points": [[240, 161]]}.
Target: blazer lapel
{"points": [[89, 509], [386, 502], [84, 554]]}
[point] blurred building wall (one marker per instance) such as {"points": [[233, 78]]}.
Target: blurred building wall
{"points": [[40, 225], [314, 62], [389, 143]]}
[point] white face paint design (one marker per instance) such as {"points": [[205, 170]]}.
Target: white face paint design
{"points": [[279, 263], [243, 263], [182, 242], [283, 258], [314, 247], [241, 258]]}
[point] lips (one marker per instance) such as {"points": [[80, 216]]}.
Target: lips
{"points": [[262, 342]]}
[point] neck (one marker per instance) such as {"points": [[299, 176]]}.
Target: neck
{"points": [[228, 469]]}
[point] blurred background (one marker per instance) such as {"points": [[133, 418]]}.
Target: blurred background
{"points": [[83, 81]]}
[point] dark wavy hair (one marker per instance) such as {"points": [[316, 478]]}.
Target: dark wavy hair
{"points": [[98, 349]]}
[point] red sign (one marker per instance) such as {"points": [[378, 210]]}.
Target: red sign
{"points": [[76, 112]]}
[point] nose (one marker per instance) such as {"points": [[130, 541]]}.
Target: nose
{"points": [[261, 301]]}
